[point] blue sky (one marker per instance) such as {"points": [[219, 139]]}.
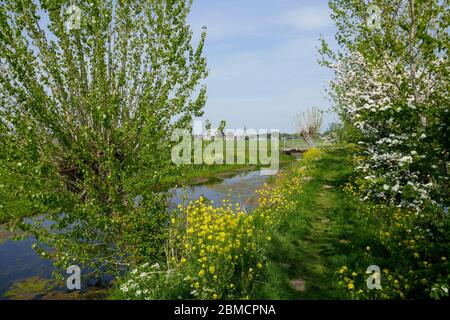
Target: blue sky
{"points": [[262, 56]]}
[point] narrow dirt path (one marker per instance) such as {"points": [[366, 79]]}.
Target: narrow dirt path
{"points": [[307, 250]]}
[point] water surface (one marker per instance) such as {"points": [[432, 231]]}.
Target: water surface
{"points": [[18, 261]]}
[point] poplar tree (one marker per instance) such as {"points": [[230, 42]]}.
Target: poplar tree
{"points": [[90, 92]]}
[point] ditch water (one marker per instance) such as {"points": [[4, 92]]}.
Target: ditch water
{"points": [[20, 264]]}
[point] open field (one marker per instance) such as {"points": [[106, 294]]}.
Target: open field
{"points": [[202, 173]]}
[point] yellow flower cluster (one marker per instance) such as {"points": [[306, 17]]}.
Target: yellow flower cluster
{"points": [[312, 154], [213, 244], [395, 233], [350, 189], [277, 200], [220, 248], [347, 279], [391, 285]]}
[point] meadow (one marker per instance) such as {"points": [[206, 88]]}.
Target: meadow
{"points": [[192, 174]]}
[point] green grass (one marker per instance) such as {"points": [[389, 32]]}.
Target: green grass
{"points": [[299, 143], [316, 239], [191, 174]]}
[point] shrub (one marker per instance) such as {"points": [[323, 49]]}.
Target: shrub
{"points": [[398, 115], [312, 154], [411, 249]]}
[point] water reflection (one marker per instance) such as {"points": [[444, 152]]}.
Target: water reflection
{"points": [[19, 261]]}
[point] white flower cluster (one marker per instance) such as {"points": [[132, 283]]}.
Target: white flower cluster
{"points": [[392, 127], [137, 285]]}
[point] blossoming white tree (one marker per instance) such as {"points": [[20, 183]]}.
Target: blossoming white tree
{"points": [[392, 86]]}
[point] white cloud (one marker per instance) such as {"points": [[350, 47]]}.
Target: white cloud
{"points": [[262, 59], [307, 18]]}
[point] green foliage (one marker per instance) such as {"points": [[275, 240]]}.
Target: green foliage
{"points": [[221, 127], [391, 92], [341, 133], [411, 250], [214, 251], [85, 121]]}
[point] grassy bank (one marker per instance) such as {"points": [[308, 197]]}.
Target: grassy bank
{"points": [[190, 174], [324, 246], [308, 238], [313, 241]]}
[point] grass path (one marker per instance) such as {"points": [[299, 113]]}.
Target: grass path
{"points": [[314, 240]]}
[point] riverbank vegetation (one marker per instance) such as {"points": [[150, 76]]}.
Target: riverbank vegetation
{"points": [[326, 243], [216, 251], [192, 174], [86, 120], [85, 136], [311, 238]]}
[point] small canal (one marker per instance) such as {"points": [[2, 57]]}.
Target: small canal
{"points": [[29, 275]]}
